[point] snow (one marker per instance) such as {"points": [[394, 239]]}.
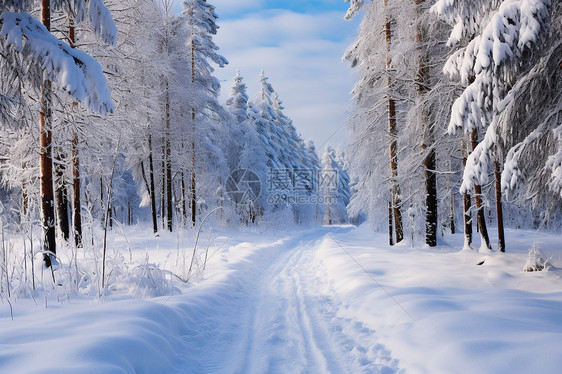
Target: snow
{"points": [[320, 300], [71, 70]]}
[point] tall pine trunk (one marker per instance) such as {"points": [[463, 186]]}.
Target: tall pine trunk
{"points": [[46, 158], [193, 163], [163, 191], [427, 144], [169, 209], [478, 198], [167, 146], [152, 189], [61, 193], [467, 205], [76, 198], [499, 207], [76, 209], [390, 229], [183, 198], [396, 200]]}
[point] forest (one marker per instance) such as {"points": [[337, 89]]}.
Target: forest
{"points": [[151, 224], [458, 108], [110, 115]]}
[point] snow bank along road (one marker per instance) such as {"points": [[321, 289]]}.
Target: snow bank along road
{"points": [[328, 300]]}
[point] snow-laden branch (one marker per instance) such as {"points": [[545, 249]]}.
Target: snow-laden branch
{"points": [[69, 69], [354, 7], [516, 26], [102, 22]]}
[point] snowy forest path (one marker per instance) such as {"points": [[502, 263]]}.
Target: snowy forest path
{"points": [[284, 320]]}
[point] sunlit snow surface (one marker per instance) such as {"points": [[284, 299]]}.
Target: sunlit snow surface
{"points": [[325, 300]]}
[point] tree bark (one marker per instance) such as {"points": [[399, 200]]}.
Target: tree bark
{"points": [[163, 192], [61, 194], [390, 233], [452, 213], [478, 198], [152, 189], [193, 176], [46, 158], [427, 146], [183, 198], [499, 207], [76, 200], [193, 185], [396, 200], [467, 206], [430, 199], [169, 209]]}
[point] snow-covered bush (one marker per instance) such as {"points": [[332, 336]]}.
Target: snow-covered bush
{"points": [[536, 260]]}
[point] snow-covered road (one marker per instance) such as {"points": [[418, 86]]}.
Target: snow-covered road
{"points": [[292, 328], [278, 321], [322, 300]]}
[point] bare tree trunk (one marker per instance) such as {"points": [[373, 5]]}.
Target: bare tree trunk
{"points": [[499, 207], [430, 199], [152, 189], [169, 209], [183, 198], [478, 198], [193, 176], [390, 231], [102, 204], [396, 201], [76, 201], [193, 185], [24, 196], [467, 206], [163, 192], [427, 145], [61, 194], [452, 212], [77, 209], [46, 158]]}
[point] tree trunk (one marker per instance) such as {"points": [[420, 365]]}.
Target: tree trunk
{"points": [[183, 198], [430, 199], [46, 158], [152, 189], [103, 206], [427, 144], [499, 208], [76, 201], [390, 233], [452, 212], [163, 192], [169, 209], [24, 196], [467, 205], [396, 201], [193, 180], [61, 194], [193, 186], [478, 198]]}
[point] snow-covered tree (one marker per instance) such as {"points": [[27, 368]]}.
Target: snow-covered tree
{"points": [[200, 21], [334, 186], [496, 42], [49, 66], [399, 114]]}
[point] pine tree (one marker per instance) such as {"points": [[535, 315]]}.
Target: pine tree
{"points": [[201, 25], [501, 34]]}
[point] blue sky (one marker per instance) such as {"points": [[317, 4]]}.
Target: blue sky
{"points": [[299, 45]]}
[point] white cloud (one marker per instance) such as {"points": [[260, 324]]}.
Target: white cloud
{"points": [[301, 54]]}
